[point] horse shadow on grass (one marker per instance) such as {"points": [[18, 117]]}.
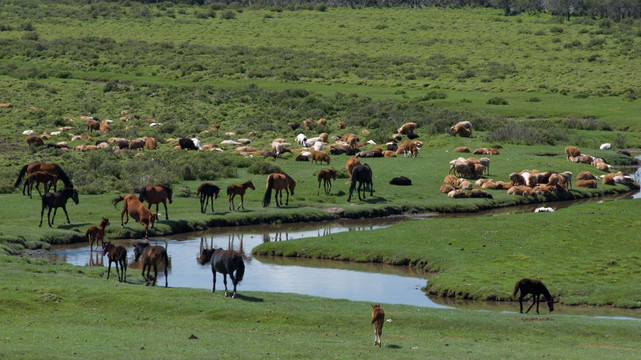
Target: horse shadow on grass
{"points": [[248, 298]]}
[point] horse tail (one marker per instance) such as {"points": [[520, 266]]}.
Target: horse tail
{"points": [[117, 200], [352, 185], [63, 176], [240, 270], [22, 172], [143, 193], [268, 192], [516, 288]]}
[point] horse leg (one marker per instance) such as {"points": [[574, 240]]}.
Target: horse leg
{"points": [[230, 200], [117, 270], [155, 274], [521, 304], [287, 199], [533, 302], [212, 202], [319, 182], [166, 213], [42, 211], [225, 282], [109, 269], [233, 281], [202, 197], [360, 185], [64, 207], [49, 222], [143, 274]]}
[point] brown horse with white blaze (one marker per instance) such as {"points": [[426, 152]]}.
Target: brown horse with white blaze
{"points": [[156, 194], [278, 182], [536, 288], [137, 210], [238, 189]]}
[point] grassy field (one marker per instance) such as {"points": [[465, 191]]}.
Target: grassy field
{"points": [[67, 312]]}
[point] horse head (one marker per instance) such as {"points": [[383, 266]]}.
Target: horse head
{"points": [[205, 256], [551, 303], [106, 246], [250, 185], [104, 222], [74, 195], [169, 193], [138, 249]]}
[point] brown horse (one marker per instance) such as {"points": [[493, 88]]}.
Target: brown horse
{"points": [[378, 319], [52, 169], [278, 182], [40, 177], [137, 210], [224, 262], [326, 175], [97, 233], [116, 255], [363, 175], [207, 191], [155, 195], [151, 256], [536, 288], [238, 189], [55, 201]]}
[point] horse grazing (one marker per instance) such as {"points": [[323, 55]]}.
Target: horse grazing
{"points": [[536, 288], [137, 210], [207, 191], [52, 169], [117, 255], [55, 201], [97, 233], [238, 189], [326, 175], [151, 256], [278, 182], [156, 195], [378, 319], [363, 175], [40, 177], [225, 262]]}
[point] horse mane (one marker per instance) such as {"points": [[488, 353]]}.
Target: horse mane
{"points": [[143, 192], [63, 176], [167, 189]]}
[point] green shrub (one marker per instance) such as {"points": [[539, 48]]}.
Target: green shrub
{"points": [[533, 99], [262, 167], [497, 101], [228, 14]]}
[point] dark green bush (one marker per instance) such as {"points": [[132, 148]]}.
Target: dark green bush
{"points": [[262, 167], [497, 101]]}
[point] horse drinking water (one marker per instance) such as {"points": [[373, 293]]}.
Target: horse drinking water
{"points": [[55, 201], [225, 262], [278, 182], [238, 189], [207, 191], [155, 195], [117, 255], [151, 256], [536, 288]]}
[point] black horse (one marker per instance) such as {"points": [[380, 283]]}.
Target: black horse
{"points": [[56, 200], [536, 288], [207, 191], [363, 175], [224, 262]]}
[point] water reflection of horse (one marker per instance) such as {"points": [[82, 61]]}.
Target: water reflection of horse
{"points": [[52, 169], [118, 255], [238, 189], [137, 210], [278, 182], [207, 191], [57, 200], [156, 194], [151, 256], [363, 175], [226, 262], [326, 175], [536, 288]]}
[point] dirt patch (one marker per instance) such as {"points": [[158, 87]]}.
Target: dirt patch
{"points": [[600, 346], [333, 210]]}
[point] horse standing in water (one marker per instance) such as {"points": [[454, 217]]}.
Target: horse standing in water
{"points": [[236, 189], [536, 288], [278, 182], [225, 262], [363, 175], [155, 195], [151, 256], [55, 201], [207, 191], [378, 319], [52, 169], [326, 175], [97, 233], [137, 210], [117, 255]]}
